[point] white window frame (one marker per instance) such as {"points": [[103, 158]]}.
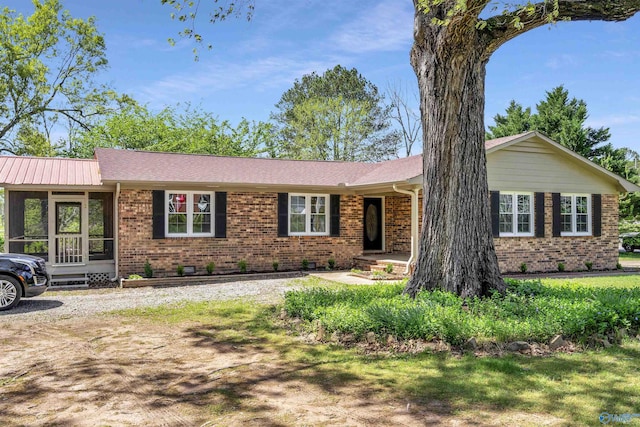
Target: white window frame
{"points": [[189, 213], [574, 215], [514, 203], [307, 213]]}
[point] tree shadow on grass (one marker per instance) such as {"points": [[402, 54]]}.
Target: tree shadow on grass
{"points": [[576, 387]]}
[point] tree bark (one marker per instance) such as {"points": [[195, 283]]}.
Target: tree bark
{"points": [[456, 250]]}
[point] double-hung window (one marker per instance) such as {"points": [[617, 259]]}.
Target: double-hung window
{"points": [[189, 213], [575, 215], [516, 214], [308, 214]]}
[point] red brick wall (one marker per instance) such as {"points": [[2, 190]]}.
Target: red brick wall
{"points": [[252, 235], [540, 254]]}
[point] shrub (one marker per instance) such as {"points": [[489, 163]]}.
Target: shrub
{"points": [[331, 263], [305, 264], [180, 270], [275, 265], [378, 274], [210, 268], [523, 268], [388, 268], [560, 267], [618, 266], [135, 277], [242, 265], [589, 265], [148, 271]]}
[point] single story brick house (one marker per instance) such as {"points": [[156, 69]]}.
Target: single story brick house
{"points": [[105, 217]]}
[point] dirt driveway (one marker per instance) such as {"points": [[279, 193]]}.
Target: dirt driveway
{"points": [[109, 370]]}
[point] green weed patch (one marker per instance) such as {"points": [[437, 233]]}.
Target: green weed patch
{"points": [[529, 311]]}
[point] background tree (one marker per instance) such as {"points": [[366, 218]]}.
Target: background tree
{"points": [[47, 64], [516, 120], [404, 115], [338, 115], [452, 46], [189, 130], [563, 120]]}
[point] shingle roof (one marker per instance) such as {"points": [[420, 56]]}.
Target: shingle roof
{"points": [[145, 166], [491, 143], [112, 165], [48, 171]]}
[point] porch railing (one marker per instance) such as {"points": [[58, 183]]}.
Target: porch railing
{"points": [[69, 249]]}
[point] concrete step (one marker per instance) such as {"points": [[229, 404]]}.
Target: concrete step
{"points": [[69, 280]]}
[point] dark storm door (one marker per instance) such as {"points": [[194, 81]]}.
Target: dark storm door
{"points": [[372, 224]]}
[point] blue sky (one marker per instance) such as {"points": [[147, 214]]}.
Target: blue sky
{"points": [[253, 63]]}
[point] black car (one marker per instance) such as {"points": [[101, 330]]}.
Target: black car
{"points": [[630, 241], [21, 276]]}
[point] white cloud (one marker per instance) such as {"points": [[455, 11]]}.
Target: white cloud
{"points": [[261, 74], [384, 27], [613, 120], [562, 61]]}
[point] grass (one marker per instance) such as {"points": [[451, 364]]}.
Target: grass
{"points": [[563, 389], [629, 255]]}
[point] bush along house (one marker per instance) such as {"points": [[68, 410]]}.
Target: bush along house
{"points": [[94, 220]]}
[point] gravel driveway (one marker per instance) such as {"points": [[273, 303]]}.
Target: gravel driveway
{"points": [[67, 304]]}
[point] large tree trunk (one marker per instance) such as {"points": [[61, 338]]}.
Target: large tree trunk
{"points": [[456, 251]]}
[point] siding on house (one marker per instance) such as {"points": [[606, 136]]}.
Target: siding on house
{"points": [[534, 165]]}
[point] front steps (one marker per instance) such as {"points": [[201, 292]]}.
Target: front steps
{"points": [[69, 280], [379, 263]]}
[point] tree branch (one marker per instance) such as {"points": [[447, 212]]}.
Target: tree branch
{"points": [[504, 27]]}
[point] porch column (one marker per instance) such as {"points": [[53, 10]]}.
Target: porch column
{"points": [[415, 238]]}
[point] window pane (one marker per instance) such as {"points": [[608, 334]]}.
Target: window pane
{"points": [[506, 203], [177, 223], [582, 223], [317, 205], [177, 202], [296, 223], [506, 223], [524, 203], [565, 224], [565, 204], [297, 205], [202, 223], [581, 204], [524, 223], [318, 223], [201, 203]]}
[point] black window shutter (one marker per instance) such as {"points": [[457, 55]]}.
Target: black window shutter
{"points": [[335, 215], [221, 214], [158, 214], [557, 218], [495, 213], [539, 215], [283, 214], [596, 210]]}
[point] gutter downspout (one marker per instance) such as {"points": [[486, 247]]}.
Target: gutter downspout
{"points": [[414, 223], [116, 232]]}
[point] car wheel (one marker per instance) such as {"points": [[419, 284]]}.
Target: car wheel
{"points": [[10, 292], [628, 248]]}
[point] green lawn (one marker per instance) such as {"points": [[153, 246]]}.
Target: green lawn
{"points": [[629, 255], [562, 389]]}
